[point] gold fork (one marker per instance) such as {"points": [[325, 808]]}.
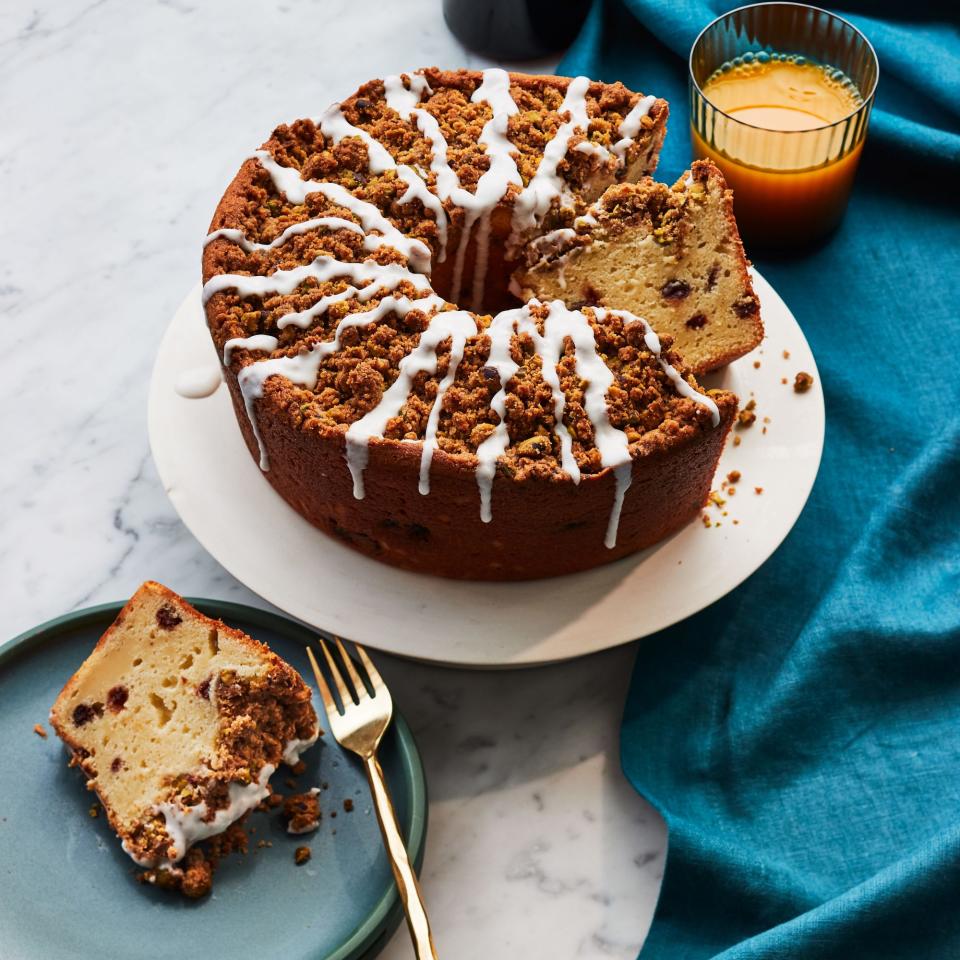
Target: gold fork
{"points": [[360, 728]]}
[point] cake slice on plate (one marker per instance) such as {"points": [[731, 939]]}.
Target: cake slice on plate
{"points": [[178, 721], [671, 255]]}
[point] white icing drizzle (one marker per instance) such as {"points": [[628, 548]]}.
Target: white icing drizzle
{"points": [[418, 190], [559, 324], [259, 341], [287, 181], [653, 345], [688, 182], [404, 97], [622, 477], [611, 442], [547, 185], [248, 246], [554, 241], [493, 184], [188, 825], [630, 126], [198, 382], [293, 748], [379, 279], [593, 149], [302, 369], [322, 269], [404, 101], [461, 326], [456, 326], [500, 332], [334, 125]]}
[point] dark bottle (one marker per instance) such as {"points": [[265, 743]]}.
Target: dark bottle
{"points": [[515, 29]]}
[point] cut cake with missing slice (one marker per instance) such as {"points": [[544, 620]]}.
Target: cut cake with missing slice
{"points": [[178, 721], [671, 255]]}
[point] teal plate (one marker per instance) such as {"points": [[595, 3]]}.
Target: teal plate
{"points": [[67, 890]]}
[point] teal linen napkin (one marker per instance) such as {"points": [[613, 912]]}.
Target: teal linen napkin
{"points": [[801, 737]]}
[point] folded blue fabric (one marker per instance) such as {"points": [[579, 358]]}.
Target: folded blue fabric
{"points": [[801, 737]]}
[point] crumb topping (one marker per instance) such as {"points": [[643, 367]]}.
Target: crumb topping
{"points": [[353, 379], [301, 812]]}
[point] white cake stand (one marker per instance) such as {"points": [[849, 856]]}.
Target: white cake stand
{"points": [[230, 508]]}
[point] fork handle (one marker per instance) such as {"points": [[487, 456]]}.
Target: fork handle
{"points": [[403, 871]]}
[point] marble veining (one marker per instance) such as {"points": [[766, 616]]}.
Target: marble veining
{"points": [[537, 846]]}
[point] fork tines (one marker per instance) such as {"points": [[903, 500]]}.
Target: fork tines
{"points": [[352, 687]]}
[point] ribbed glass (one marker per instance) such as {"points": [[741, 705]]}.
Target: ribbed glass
{"points": [[789, 186]]}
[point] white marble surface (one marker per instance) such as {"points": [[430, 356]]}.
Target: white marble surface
{"points": [[121, 125]]}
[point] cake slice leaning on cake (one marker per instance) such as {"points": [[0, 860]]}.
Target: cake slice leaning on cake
{"points": [[178, 721], [671, 255]]}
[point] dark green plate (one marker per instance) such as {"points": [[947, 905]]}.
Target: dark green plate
{"points": [[67, 890]]}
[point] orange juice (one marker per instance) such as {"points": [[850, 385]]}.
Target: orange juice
{"points": [[777, 133]]}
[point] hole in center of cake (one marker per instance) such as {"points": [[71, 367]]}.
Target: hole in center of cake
{"points": [[484, 280]]}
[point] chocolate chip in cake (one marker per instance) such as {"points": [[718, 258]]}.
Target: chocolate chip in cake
{"points": [[491, 373], [746, 307], [697, 321], [116, 765], [85, 712], [168, 618], [591, 296], [203, 689], [712, 276], [675, 290], [117, 698]]}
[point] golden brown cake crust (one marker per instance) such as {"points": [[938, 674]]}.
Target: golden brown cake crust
{"points": [[543, 522]]}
